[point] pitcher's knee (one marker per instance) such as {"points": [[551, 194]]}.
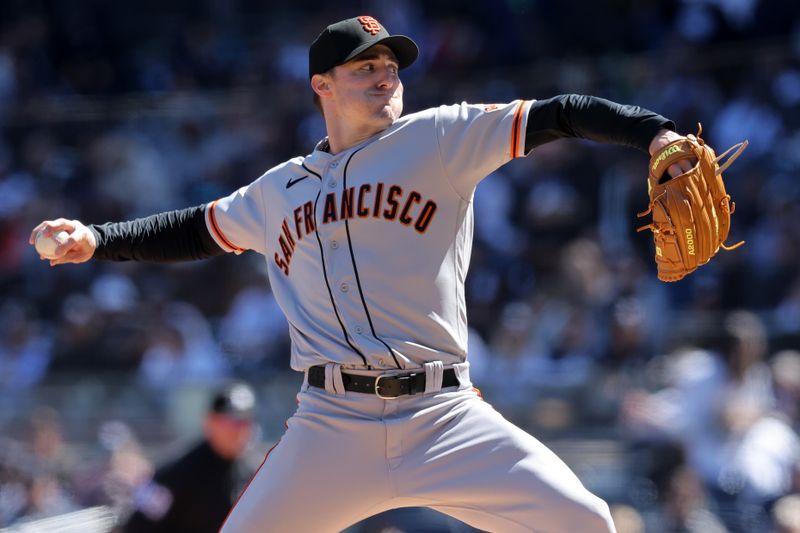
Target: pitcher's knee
{"points": [[596, 517], [583, 512]]}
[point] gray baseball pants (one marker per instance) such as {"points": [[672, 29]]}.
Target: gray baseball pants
{"points": [[346, 456]]}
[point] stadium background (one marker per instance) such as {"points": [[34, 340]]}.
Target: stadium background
{"points": [[678, 403]]}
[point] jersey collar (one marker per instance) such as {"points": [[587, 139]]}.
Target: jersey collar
{"points": [[320, 157]]}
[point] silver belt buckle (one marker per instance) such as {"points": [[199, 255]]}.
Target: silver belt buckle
{"points": [[377, 385]]}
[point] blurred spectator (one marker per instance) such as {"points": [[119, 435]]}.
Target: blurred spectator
{"points": [[785, 366], [195, 492], [182, 351], [111, 478], [685, 505], [721, 408], [51, 453], [253, 331], [35, 481]]}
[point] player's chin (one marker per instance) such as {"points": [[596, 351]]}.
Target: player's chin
{"points": [[383, 118], [389, 112]]}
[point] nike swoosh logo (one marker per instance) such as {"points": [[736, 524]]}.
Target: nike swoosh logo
{"points": [[294, 181]]}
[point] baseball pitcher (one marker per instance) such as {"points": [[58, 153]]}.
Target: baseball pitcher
{"points": [[367, 242]]}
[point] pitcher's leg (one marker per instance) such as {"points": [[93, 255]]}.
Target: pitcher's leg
{"points": [[469, 462], [324, 475]]}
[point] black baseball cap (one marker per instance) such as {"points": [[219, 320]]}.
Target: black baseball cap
{"points": [[236, 399], [344, 40]]}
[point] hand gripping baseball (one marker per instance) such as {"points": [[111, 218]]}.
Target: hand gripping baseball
{"points": [[78, 246], [690, 212]]}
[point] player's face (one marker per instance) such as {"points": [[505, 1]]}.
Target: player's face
{"points": [[229, 436], [367, 89]]}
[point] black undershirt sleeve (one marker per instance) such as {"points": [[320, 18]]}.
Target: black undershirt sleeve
{"points": [[179, 235], [596, 119]]}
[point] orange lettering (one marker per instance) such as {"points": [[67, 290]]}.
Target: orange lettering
{"points": [[425, 216], [391, 199], [361, 210], [329, 214], [412, 198]]}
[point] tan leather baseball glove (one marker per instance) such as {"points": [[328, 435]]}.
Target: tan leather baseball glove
{"points": [[691, 212]]}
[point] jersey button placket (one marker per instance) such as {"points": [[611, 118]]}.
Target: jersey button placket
{"points": [[332, 181], [340, 266]]}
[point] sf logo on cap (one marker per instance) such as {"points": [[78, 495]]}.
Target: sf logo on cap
{"points": [[370, 25]]}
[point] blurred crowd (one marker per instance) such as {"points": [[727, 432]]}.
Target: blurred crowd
{"points": [[113, 111]]}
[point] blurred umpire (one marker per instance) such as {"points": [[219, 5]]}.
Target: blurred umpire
{"points": [[195, 492]]}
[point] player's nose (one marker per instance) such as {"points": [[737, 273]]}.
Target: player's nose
{"points": [[388, 78]]}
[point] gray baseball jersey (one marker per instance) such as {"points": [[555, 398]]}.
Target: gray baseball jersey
{"points": [[367, 252], [368, 249]]}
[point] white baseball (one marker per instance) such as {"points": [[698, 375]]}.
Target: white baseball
{"points": [[46, 245]]}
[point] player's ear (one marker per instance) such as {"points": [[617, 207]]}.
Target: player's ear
{"points": [[320, 84]]}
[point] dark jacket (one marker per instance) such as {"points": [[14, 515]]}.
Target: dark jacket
{"points": [[193, 494]]}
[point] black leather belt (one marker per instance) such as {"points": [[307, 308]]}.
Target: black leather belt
{"points": [[387, 385]]}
